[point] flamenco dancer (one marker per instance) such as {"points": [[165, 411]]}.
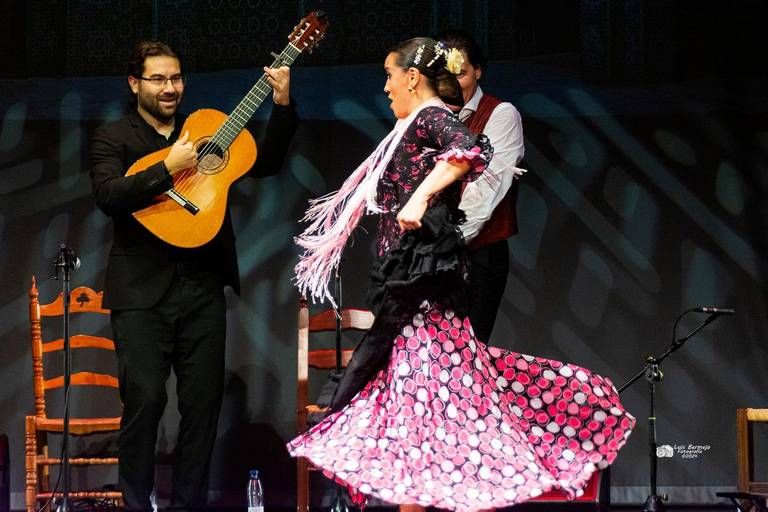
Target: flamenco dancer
{"points": [[425, 414]]}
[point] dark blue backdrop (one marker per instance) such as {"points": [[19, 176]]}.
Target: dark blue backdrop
{"points": [[645, 196]]}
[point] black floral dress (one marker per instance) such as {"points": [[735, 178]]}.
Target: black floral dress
{"points": [[434, 135], [446, 421]]}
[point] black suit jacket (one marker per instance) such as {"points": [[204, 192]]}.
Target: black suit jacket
{"points": [[141, 266]]}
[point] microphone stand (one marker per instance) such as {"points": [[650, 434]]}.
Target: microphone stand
{"points": [[339, 504], [652, 373], [337, 299], [65, 262]]}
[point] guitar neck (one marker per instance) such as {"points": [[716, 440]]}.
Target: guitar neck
{"points": [[244, 111]]}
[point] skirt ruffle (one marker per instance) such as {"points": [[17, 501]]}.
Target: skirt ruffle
{"points": [[454, 424], [426, 264]]}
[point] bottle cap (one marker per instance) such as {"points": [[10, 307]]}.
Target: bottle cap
{"points": [[254, 472]]}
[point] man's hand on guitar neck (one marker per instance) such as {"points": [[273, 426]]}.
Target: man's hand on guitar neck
{"points": [[183, 155], [280, 80]]}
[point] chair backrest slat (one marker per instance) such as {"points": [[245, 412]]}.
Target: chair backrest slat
{"points": [[351, 319], [80, 341], [326, 359], [82, 300], [83, 379]]}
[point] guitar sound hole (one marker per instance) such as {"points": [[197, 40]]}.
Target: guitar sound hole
{"points": [[210, 157]]}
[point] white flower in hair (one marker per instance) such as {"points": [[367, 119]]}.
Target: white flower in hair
{"points": [[453, 61], [453, 58]]}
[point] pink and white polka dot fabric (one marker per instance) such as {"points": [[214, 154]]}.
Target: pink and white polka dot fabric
{"points": [[454, 424]]}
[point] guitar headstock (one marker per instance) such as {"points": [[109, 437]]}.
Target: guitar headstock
{"points": [[309, 31]]}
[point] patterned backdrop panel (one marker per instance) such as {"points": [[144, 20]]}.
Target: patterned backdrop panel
{"points": [[634, 51], [326, 52], [176, 25], [596, 38], [660, 45], [619, 42], [370, 28], [503, 37], [46, 37], [101, 33], [241, 34]]}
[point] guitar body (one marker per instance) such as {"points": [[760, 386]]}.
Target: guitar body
{"points": [[206, 187]]}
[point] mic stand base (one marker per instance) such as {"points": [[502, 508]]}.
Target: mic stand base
{"points": [[65, 505], [339, 504], [654, 503]]}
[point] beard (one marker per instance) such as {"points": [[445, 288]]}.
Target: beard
{"points": [[151, 104]]}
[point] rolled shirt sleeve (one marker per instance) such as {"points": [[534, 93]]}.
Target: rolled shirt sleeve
{"points": [[480, 197]]}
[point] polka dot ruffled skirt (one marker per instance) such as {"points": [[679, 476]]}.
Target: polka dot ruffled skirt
{"points": [[454, 424]]}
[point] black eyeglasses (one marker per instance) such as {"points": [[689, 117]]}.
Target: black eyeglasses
{"points": [[161, 81]]}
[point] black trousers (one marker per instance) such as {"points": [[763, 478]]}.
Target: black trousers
{"points": [[185, 332], [489, 266]]}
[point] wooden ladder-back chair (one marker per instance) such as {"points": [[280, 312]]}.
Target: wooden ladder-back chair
{"points": [[38, 456], [746, 450], [750, 494], [351, 319]]}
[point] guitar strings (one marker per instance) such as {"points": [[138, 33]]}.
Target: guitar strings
{"points": [[262, 87], [260, 90], [192, 177]]}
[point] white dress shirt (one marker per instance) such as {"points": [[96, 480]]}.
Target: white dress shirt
{"points": [[505, 131]]}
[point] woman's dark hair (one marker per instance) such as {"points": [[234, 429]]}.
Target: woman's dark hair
{"points": [[138, 57], [463, 41], [419, 53]]}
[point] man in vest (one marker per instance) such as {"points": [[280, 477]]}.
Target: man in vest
{"points": [[490, 202]]}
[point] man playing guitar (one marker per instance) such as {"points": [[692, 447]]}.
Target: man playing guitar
{"points": [[167, 301]]}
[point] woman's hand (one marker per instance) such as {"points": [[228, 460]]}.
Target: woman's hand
{"points": [[410, 215], [444, 173]]}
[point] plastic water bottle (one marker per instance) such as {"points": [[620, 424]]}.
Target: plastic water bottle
{"points": [[153, 499], [255, 493]]}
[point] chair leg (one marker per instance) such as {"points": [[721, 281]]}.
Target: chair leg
{"points": [[744, 446], [43, 470], [603, 491], [302, 485], [31, 464]]}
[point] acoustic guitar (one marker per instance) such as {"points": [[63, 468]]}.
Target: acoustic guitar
{"points": [[191, 213]]}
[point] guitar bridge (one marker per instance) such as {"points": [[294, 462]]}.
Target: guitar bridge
{"points": [[183, 201]]}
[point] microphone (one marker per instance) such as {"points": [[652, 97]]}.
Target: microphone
{"points": [[714, 311], [72, 261]]}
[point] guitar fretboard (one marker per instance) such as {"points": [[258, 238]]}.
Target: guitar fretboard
{"points": [[243, 112]]}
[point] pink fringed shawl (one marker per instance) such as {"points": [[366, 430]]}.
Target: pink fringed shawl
{"points": [[333, 216]]}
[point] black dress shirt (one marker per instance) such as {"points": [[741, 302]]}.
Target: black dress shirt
{"points": [[141, 266]]}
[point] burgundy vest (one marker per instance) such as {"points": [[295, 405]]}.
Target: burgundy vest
{"points": [[503, 221]]}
